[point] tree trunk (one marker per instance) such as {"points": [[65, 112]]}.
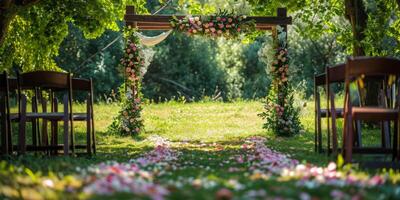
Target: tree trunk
{"points": [[4, 24], [357, 15]]}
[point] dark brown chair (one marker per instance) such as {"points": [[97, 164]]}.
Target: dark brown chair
{"points": [[5, 120], [332, 75], [85, 85], [51, 81], [361, 67], [326, 81], [335, 75]]}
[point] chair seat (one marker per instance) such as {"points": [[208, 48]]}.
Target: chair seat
{"points": [[76, 116], [48, 116], [374, 113], [339, 112], [14, 117], [79, 116]]}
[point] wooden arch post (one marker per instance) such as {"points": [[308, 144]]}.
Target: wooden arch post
{"points": [[281, 43]]}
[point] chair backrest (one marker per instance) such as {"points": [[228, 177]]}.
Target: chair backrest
{"points": [[372, 66], [45, 79], [12, 84], [3, 82], [336, 74], [82, 84], [319, 79]]}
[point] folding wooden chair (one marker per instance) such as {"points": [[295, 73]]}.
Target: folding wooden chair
{"points": [[85, 85], [52, 81], [326, 81], [358, 68], [335, 75], [5, 121]]}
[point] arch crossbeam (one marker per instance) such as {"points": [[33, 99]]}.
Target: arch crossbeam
{"points": [[162, 22]]}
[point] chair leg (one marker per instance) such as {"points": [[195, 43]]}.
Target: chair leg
{"points": [[315, 133], [358, 131], [334, 128], [72, 136], [54, 126], [66, 126], [93, 130], [319, 134], [93, 136], [22, 127], [395, 140], [45, 137], [9, 136], [334, 137], [328, 139], [88, 128], [4, 128], [88, 138], [34, 122], [66, 137], [349, 141], [386, 134]]}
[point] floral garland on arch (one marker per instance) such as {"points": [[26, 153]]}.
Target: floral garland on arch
{"points": [[129, 121], [222, 23], [280, 115]]}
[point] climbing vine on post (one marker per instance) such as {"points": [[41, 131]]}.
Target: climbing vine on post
{"points": [[129, 121], [280, 115]]}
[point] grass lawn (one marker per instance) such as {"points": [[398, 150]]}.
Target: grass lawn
{"points": [[204, 152]]}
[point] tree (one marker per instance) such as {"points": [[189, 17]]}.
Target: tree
{"points": [[32, 30], [357, 15], [8, 10], [90, 59]]}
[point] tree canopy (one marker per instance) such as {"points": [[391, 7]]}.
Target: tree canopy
{"points": [[32, 31]]}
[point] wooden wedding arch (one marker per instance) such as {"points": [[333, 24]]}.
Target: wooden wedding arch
{"points": [[281, 97]]}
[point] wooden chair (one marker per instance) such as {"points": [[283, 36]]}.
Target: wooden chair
{"points": [[335, 75], [53, 81], [326, 81], [85, 85], [366, 67], [5, 121]]}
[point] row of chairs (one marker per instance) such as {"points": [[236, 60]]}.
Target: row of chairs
{"points": [[354, 72], [44, 87]]}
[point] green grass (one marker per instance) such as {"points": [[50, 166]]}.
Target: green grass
{"points": [[204, 122]]}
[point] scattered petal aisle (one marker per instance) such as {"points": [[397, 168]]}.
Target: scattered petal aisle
{"points": [[140, 176], [136, 176]]}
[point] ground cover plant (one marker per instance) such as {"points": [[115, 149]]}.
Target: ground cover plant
{"points": [[204, 150]]}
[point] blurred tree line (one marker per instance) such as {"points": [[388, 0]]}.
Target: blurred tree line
{"points": [[194, 68]]}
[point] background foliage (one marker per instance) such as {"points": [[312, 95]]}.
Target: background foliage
{"points": [[86, 40]]}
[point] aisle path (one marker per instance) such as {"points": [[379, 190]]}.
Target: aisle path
{"points": [[228, 170]]}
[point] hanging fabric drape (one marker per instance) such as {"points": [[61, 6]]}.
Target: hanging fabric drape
{"points": [[151, 41]]}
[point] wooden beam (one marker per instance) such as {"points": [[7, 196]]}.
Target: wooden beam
{"points": [[282, 13], [162, 22], [167, 18], [167, 26], [130, 10]]}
